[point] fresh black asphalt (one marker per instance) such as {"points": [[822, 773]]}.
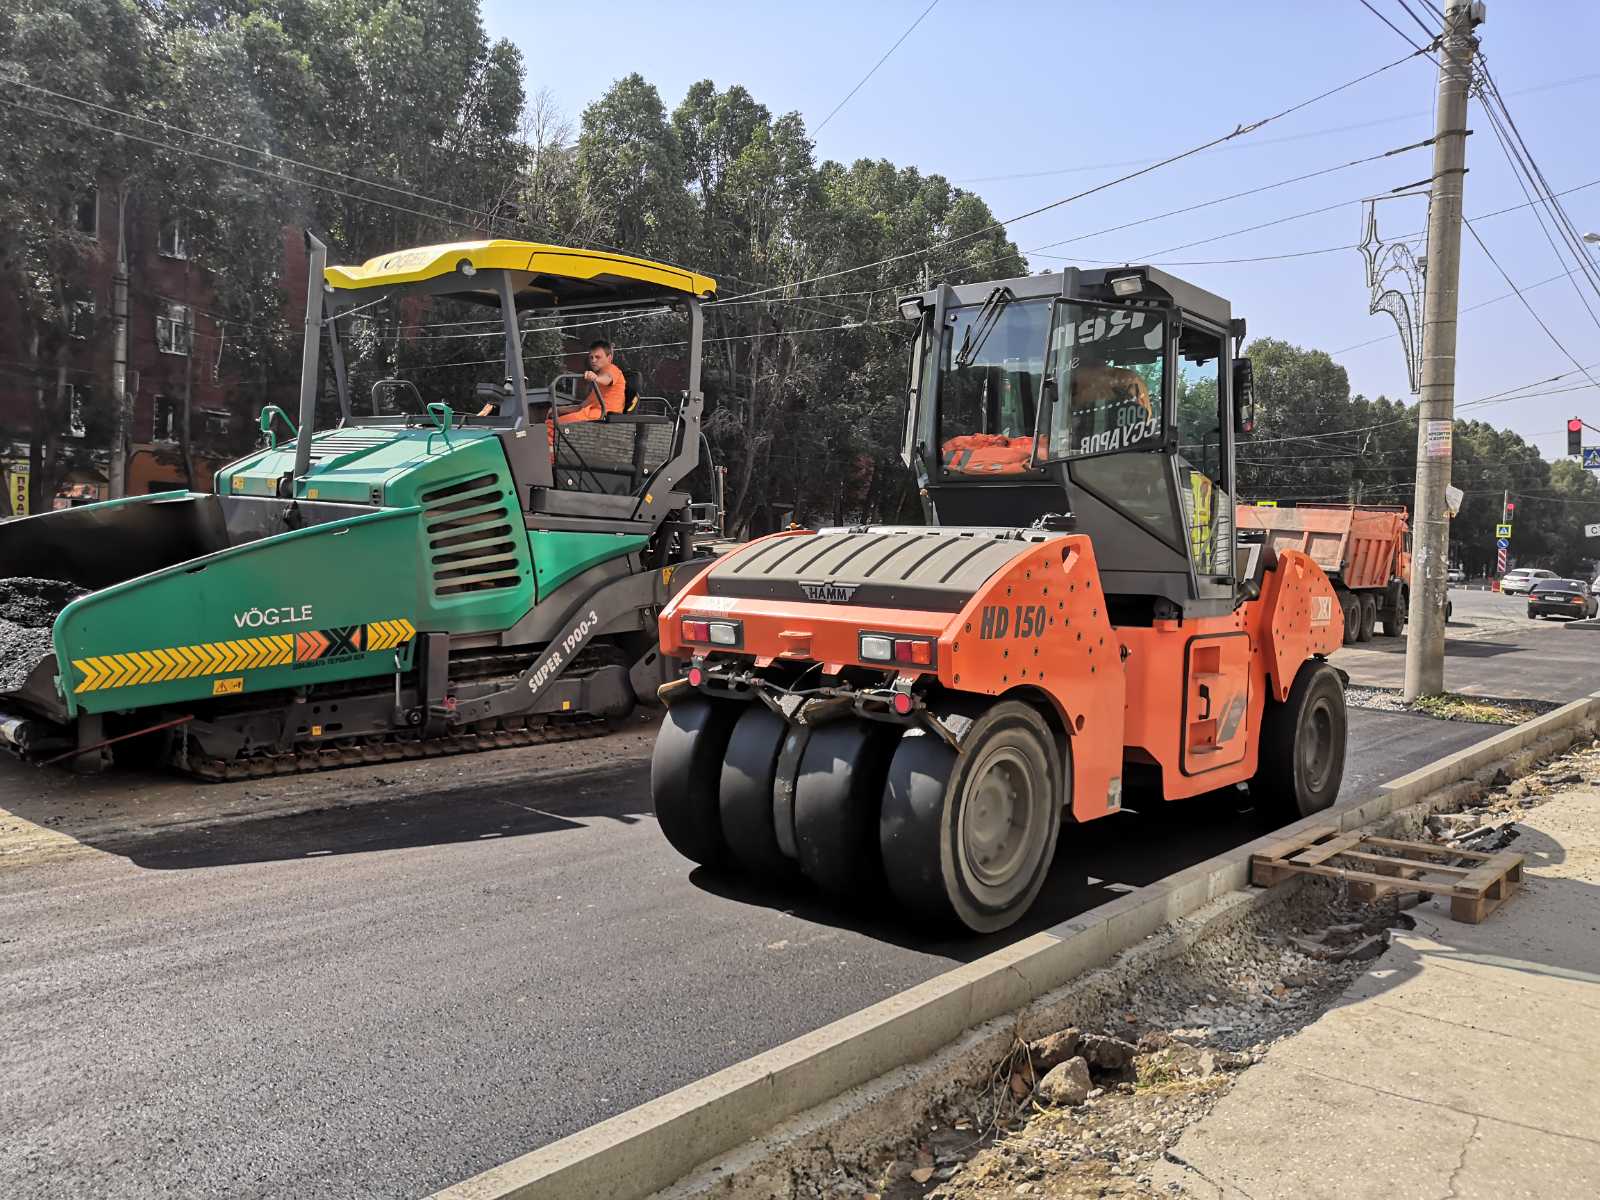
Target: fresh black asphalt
{"points": [[382, 1000]]}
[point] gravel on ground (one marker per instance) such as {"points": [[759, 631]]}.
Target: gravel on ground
{"points": [[1451, 706]]}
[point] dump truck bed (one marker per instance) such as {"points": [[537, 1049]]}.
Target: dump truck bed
{"points": [[1358, 547]]}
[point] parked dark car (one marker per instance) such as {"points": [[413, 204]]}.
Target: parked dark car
{"points": [[1561, 598]]}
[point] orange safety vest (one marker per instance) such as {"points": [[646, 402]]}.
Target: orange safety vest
{"points": [[987, 454]]}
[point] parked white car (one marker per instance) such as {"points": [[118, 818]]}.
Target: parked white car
{"points": [[1456, 575], [1522, 580]]}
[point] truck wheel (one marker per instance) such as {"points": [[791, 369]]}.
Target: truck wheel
{"points": [[1352, 617], [1301, 762], [1394, 616], [970, 838], [744, 794], [836, 798], [1369, 617], [684, 774]]}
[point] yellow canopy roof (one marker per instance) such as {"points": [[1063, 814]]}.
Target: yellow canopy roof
{"points": [[563, 273]]}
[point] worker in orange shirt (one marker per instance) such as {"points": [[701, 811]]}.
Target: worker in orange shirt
{"points": [[603, 390], [607, 390]]}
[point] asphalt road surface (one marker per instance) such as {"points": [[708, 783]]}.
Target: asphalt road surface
{"points": [[1493, 649], [384, 999], [381, 999]]}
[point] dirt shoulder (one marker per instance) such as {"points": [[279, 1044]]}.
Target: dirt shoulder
{"points": [[1111, 1109]]}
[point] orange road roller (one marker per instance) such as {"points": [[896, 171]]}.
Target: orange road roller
{"points": [[915, 711]]}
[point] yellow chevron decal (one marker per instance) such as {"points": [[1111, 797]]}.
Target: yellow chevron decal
{"points": [[133, 668], [386, 635]]}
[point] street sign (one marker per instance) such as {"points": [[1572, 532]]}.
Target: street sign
{"points": [[1503, 543], [1502, 531], [1591, 457], [1591, 531], [1500, 560]]}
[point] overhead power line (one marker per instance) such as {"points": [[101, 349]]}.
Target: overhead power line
{"points": [[1255, 143], [862, 82], [1238, 131], [266, 154], [238, 166], [1532, 312], [1255, 191], [1406, 37]]}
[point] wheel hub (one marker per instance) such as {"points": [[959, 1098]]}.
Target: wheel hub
{"points": [[995, 817], [1316, 746]]}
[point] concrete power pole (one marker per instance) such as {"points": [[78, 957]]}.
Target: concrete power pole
{"points": [[1436, 411]]}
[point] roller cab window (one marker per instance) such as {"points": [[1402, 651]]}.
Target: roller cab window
{"points": [[991, 366], [1107, 376]]}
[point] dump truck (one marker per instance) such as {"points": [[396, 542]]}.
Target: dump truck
{"points": [[1074, 630], [417, 578], [1364, 549]]}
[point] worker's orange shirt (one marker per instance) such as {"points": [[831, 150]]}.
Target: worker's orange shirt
{"points": [[614, 394]]}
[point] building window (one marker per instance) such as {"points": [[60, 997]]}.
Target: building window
{"points": [[172, 327], [172, 243], [77, 406], [83, 213], [164, 423], [80, 317], [216, 421]]}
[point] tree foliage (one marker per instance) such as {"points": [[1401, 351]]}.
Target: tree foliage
{"points": [[389, 123]]}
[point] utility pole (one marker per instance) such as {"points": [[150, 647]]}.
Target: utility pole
{"points": [[117, 467], [1436, 410]]}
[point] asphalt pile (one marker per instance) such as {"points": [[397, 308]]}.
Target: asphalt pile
{"points": [[28, 608]]}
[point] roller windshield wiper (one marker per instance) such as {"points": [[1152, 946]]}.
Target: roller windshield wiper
{"points": [[983, 325]]}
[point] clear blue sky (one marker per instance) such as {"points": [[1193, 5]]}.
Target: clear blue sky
{"points": [[986, 89]]}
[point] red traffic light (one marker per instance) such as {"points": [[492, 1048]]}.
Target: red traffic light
{"points": [[1511, 507], [1575, 436], [1575, 425]]}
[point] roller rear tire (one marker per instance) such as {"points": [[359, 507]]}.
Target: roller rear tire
{"points": [[685, 774], [836, 800], [744, 794], [968, 840], [1303, 740]]}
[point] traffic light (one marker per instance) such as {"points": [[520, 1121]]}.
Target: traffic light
{"points": [[1575, 436], [1511, 509]]}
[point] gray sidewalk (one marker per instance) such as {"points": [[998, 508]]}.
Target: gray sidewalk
{"points": [[1462, 1064]]}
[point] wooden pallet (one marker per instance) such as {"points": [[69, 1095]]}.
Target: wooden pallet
{"points": [[1477, 883]]}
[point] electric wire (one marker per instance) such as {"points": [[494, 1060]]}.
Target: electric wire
{"points": [[862, 83], [1238, 131]]}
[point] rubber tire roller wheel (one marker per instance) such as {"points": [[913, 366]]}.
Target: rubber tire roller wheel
{"points": [[836, 798], [1351, 608], [685, 774], [744, 795], [1369, 617], [942, 813], [1301, 763]]}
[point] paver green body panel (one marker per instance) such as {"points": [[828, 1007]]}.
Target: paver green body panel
{"points": [[559, 555], [446, 552], [257, 614]]}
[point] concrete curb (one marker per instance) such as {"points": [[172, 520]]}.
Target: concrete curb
{"points": [[648, 1148]]}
